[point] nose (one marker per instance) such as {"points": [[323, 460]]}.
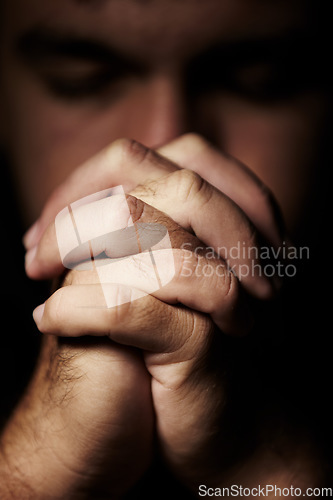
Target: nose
{"points": [[160, 111]]}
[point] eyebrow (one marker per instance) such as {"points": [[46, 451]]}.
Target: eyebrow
{"points": [[40, 44]]}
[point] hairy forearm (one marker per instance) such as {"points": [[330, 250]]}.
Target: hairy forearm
{"points": [[65, 439], [32, 444]]}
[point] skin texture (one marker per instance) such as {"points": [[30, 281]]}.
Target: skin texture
{"points": [[187, 379], [147, 384]]}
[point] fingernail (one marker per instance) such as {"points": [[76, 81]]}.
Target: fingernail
{"points": [[38, 313], [30, 256], [30, 238]]}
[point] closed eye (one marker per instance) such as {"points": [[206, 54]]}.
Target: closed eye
{"points": [[77, 79], [73, 67], [261, 71]]}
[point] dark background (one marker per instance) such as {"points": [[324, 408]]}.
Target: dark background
{"points": [[279, 378]]}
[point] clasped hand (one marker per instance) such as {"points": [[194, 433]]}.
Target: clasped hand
{"points": [[209, 204]]}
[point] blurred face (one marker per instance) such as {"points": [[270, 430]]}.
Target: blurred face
{"points": [[77, 74]]}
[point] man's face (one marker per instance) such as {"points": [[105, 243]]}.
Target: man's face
{"points": [[78, 74]]}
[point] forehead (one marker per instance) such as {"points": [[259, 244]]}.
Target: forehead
{"points": [[156, 28]]}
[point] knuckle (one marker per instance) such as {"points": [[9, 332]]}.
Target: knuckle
{"points": [[149, 189], [143, 212], [189, 184], [121, 146], [194, 141], [129, 150]]}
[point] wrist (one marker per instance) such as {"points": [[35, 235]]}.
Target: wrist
{"points": [[69, 437], [35, 461]]}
